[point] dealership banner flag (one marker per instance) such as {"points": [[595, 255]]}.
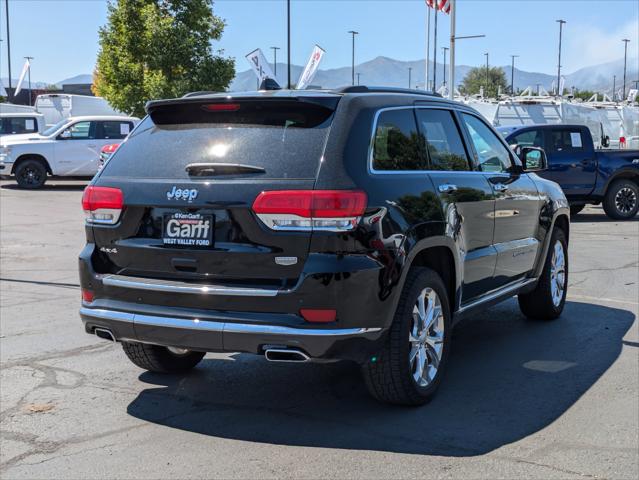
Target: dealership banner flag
{"points": [[260, 66], [311, 68], [23, 74], [441, 5]]}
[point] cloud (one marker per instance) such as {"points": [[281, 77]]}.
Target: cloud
{"points": [[587, 45]]}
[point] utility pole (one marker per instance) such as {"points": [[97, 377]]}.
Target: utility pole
{"points": [[6, 3], [28, 59], [445, 49], [410, 77], [486, 90], [561, 26], [288, 40], [614, 87], [358, 74], [427, 76], [275, 49], [353, 33], [625, 63], [512, 75]]}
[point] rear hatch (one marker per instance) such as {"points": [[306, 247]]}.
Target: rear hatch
{"points": [[189, 175]]}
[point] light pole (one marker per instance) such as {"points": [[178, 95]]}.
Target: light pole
{"points": [[28, 59], [614, 86], [6, 3], [512, 75], [358, 74], [275, 49], [625, 60], [561, 26], [288, 39], [353, 33], [486, 72], [445, 49], [410, 77]]}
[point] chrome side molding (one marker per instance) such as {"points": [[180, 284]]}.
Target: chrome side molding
{"points": [[122, 281]]}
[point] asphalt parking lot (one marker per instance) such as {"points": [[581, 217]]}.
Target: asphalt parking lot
{"points": [[521, 399]]}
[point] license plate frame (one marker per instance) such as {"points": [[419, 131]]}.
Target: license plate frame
{"points": [[188, 230]]}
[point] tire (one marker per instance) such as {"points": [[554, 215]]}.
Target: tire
{"points": [[622, 200], [160, 359], [547, 300], [391, 375], [31, 174], [576, 209]]}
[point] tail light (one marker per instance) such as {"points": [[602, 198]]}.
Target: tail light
{"points": [[87, 295], [102, 204], [307, 210], [316, 315]]}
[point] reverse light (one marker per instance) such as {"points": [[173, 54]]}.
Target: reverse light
{"points": [[318, 315], [307, 210], [102, 205]]}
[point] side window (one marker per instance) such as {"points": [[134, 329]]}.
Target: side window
{"points": [[81, 131], [21, 125], [444, 143], [492, 155], [531, 138], [565, 141], [115, 130], [397, 144]]}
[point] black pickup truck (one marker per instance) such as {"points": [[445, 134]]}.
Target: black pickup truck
{"points": [[587, 175]]}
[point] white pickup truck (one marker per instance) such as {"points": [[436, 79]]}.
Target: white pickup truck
{"points": [[69, 148]]}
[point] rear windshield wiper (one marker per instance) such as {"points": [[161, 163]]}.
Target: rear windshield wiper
{"points": [[212, 169]]}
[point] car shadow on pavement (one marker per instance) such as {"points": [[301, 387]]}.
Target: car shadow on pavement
{"points": [[49, 187], [508, 378]]}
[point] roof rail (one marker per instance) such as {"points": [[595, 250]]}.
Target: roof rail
{"points": [[365, 89]]}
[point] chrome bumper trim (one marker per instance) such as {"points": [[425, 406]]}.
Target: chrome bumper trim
{"points": [[222, 327], [183, 287]]}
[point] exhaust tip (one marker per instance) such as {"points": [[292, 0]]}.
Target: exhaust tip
{"points": [[285, 355], [104, 333]]}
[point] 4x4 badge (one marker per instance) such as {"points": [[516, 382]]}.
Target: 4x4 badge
{"points": [[181, 194]]}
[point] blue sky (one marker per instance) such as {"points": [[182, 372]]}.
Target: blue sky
{"points": [[62, 34]]}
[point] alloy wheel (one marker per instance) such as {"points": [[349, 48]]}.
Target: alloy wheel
{"points": [[625, 200], [426, 337], [558, 274]]}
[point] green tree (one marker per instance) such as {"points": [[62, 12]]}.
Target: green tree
{"points": [[476, 78], [153, 49]]}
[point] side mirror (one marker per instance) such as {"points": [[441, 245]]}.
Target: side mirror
{"points": [[65, 135], [605, 141], [533, 159]]}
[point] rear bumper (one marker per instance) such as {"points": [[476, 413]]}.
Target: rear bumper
{"points": [[227, 333]]}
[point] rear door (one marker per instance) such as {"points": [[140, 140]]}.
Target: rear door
{"points": [[190, 173], [571, 161], [467, 198], [78, 153]]}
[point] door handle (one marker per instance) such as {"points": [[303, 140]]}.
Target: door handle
{"points": [[447, 188], [500, 187]]}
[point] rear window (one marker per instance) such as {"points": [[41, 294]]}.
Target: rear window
{"points": [[284, 138]]}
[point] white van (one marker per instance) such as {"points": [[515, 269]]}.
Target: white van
{"points": [[58, 106]]}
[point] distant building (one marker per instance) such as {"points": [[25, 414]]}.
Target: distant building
{"points": [[70, 88], [78, 89]]}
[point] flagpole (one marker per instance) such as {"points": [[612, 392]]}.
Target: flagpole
{"points": [[453, 11], [435, 51], [427, 49]]}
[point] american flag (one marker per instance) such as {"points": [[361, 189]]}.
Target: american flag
{"points": [[441, 5]]}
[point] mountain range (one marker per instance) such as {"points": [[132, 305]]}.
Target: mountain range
{"points": [[390, 72]]}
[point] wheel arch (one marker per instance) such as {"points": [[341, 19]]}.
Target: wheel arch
{"points": [[627, 174], [31, 156]]}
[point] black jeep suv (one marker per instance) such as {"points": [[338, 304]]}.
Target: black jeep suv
{"points": [[360, 224]]}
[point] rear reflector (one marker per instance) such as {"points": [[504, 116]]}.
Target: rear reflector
{"points": [[332, 210], [315, 315], [87, 296], [102, 204]]}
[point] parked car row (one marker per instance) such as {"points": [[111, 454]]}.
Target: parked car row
{"points": [[359, 224], [586, 175], [72, 147]]}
